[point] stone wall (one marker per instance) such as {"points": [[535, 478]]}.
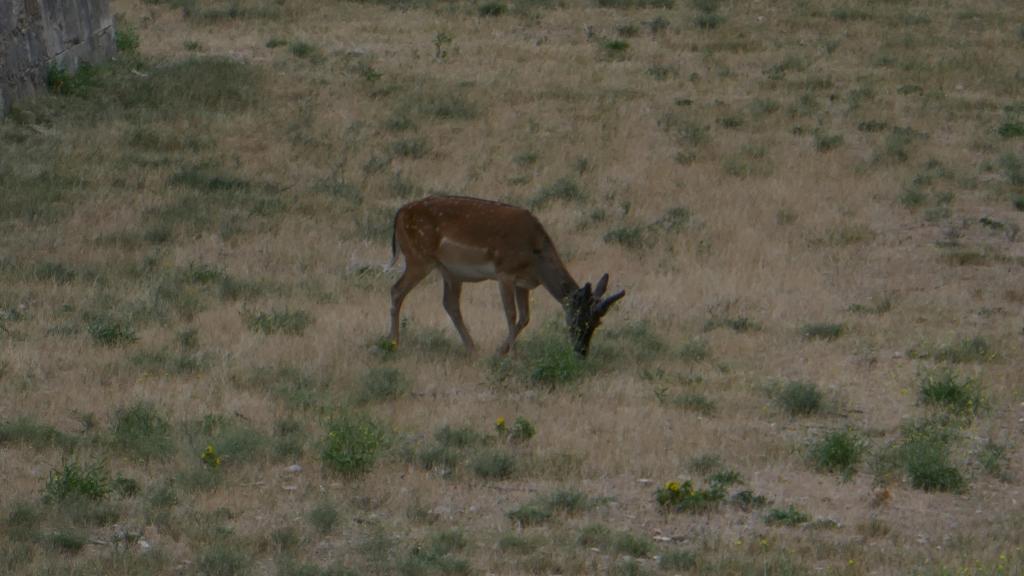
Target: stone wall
{"points": [[35, 34]]}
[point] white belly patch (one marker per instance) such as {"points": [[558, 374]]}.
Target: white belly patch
{"points": [[465, 261]]}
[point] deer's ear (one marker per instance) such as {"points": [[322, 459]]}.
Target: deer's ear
{"points": [[602, 285]]}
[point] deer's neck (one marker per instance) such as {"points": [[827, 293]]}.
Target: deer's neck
{"points": [[555, 278]]}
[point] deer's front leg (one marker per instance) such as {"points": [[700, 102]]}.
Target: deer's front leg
{"points": [[507, 287]]}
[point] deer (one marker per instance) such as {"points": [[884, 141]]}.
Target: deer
{"points": [[471, 240]]}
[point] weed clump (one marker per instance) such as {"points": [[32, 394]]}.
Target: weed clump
{"points": [[945, 389], [353, 444], [546, 358], [494, 464], [799, 398], [822, 331], [142, 432], [73, 481], [381, 384], [789, 516], [544, 508], [289, 322], [838, 451], [923, 454]]}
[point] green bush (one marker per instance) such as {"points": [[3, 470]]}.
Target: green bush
{"points": [[353, 444], [493, 464], [126, 38], [108, 331], [290, 322], [838, 451], [382, 383], [943, 388], [543, 508], [822, 331], [924, 455], [798, 398], [789, 516], [73, 481], [39, 436], [142, 432], [324, 517], [562, 190]]}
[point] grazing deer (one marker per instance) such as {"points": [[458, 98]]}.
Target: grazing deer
{"points": [[471, 240]]}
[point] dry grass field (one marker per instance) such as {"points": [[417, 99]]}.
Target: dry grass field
{"points": [[814, 206]]}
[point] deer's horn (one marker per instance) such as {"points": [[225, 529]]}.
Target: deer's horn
{"points": [[601, 308], [602, 285]]}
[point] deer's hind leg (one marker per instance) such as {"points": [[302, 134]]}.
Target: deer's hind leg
{"points": [[415, 272]]}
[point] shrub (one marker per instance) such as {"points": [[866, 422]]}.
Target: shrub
{"points": [[494, 464], [564, 189], [924, 453], [222, 559], [789, 516], [290, 322], [353, 444], [685, 498], [73, 481], [109, 331], [463, 437], [22, 522], [324, 518], [382, 383], [838, 451], [543, 508], [545, 358], [39, 436], [635, 546], [695, 350], [142, 431], [975, 349], [798, 398], [677, 560], [822, 331], [126, 38], [492, 9], [943, 388], [994, 459]]}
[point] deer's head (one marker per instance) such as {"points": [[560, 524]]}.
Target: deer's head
{"points": [[584, 311]]}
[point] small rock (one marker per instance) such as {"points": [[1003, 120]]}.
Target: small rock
{"points": [[294, 468], [645, 480], [290, 487], [144, 546]]}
